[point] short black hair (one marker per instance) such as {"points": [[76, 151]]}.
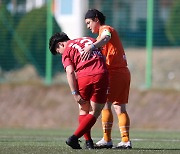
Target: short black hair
{"points": [[93, 13], [57, 37]]}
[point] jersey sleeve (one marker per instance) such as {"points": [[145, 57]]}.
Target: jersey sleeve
{"points": [[105, 31], [66, 60]]}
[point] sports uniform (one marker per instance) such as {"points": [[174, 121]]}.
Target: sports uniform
{"points": [[118, 91], [88, 81], [119, 78], [119, 75], [91, 74]]}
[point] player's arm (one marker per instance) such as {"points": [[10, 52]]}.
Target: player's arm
{"points": [[102, 41], [105, 37], [71, 77]]}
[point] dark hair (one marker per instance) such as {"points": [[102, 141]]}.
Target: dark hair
{"points": [[57, 37], [93, 13]]}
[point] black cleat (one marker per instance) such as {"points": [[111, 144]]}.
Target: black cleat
{"points": [[89, 144], [73, 142]]}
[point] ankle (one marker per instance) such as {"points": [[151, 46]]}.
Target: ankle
{"points": [[125, 139]]}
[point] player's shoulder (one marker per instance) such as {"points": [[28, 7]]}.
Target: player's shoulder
{"points": [[82, 38], [106, 27], [86, 38], [90, 38]]}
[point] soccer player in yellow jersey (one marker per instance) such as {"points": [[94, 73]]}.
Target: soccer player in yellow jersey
{"points": [[119, 78]]}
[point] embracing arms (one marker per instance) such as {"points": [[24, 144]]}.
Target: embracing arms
{"points": [[98, 44]]}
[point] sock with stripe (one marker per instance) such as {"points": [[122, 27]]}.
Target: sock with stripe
{"points": [[124, 124], [107, 122]]}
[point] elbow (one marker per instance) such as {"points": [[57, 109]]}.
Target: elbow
{"points": [[70, 72], [107, 38]]}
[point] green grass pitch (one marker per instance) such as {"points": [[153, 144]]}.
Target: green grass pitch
{"points": [[26, 141]]}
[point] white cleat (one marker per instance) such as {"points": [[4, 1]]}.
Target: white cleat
{"points": [[103, 144], [124, 145]]}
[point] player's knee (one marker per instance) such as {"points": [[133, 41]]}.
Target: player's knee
{"points": [[96, 114]]}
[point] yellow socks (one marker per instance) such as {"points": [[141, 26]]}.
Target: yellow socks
{"points": [[124, 124], [107, 122]]}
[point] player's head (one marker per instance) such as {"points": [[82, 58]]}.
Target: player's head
{"points": [[55, 39], [94, 15]]}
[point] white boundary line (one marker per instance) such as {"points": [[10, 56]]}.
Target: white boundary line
{"points": [[151, 140], [58, 138]]}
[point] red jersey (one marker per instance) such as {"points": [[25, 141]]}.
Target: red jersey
{"points": [[72, 56], [113, 50]]}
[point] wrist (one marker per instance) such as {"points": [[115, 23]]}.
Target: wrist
{"points": [[93, 46], [75, 92]]}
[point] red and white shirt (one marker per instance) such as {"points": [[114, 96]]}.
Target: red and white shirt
{"points": [[72, 56]]}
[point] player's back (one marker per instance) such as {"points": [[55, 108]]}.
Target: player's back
{"points": [[72, 54]]}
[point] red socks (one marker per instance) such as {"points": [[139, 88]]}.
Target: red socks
{"points": [[87, 135], [86, 123]]}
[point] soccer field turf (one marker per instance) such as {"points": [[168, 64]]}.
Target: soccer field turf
{"points": [[22, 141]]}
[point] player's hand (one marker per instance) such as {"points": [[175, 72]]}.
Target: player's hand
{"points": [[79, 99], [86, 53]]}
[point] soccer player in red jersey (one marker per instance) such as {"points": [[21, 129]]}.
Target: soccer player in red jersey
{"points": [[119, 78], [88, 81]]}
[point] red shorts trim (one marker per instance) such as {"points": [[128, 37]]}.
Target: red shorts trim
{"points": [[94, 88]]}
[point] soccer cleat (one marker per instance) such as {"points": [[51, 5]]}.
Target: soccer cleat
{"points": [[89, 144], [103, 144], [73, 142], [124, 145]]}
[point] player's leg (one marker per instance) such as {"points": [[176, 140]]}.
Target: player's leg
{"points": [[122, 95], [124, 125], [98, 96], [84, 89], [98, 99], [86, 124], [107, 116], [107, 122], [83, 112]]}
